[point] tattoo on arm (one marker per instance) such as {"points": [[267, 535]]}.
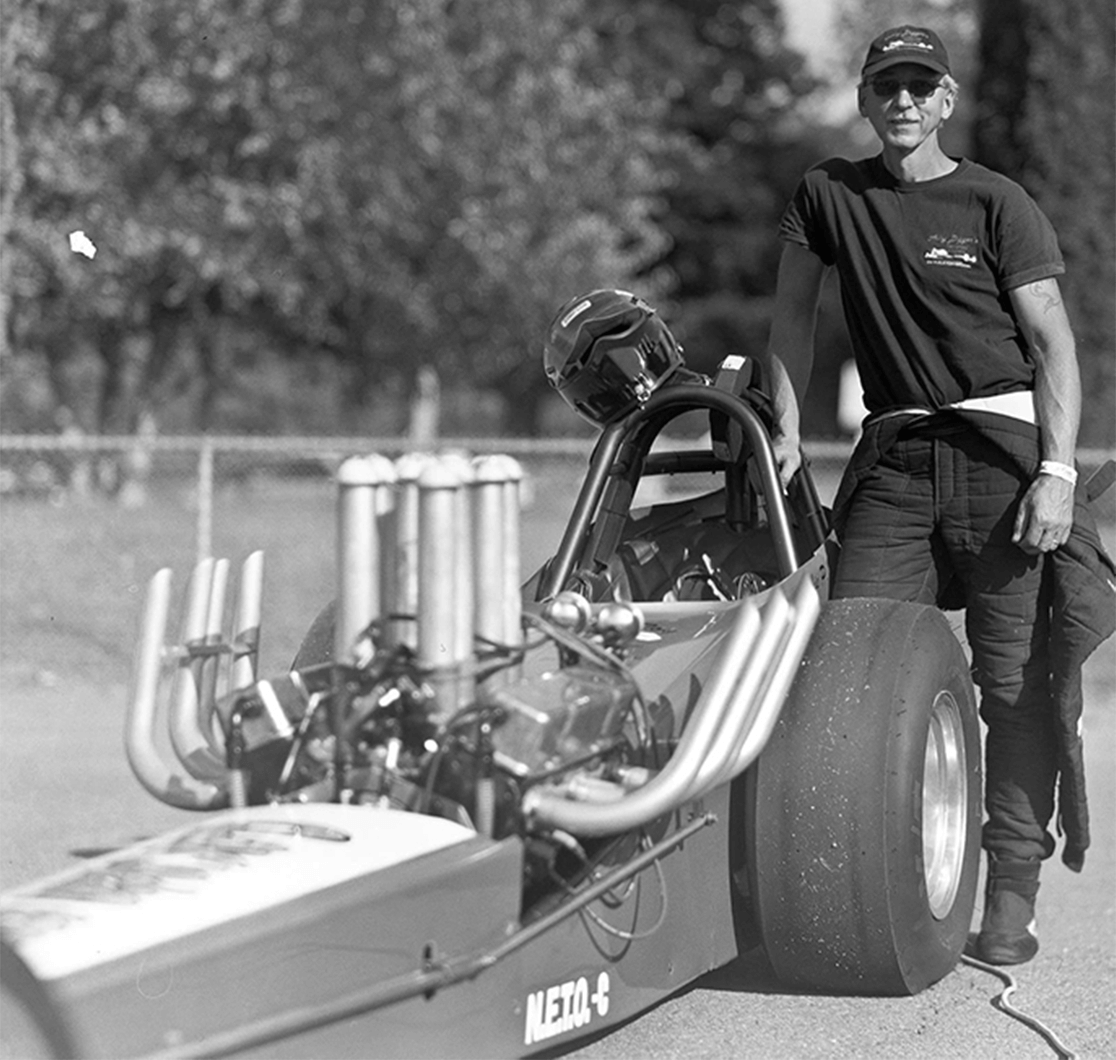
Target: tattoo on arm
{"points": [[1047, 295]]}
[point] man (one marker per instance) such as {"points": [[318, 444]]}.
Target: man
{"points": [[948, 284]]}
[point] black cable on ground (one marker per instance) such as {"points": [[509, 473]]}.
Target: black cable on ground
{"points": [[1003, 1003]]}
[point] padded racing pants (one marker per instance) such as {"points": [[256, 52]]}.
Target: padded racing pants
{"points": [[941, 503]]}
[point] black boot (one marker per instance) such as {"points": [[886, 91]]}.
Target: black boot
{"points": [[1007, 929]]}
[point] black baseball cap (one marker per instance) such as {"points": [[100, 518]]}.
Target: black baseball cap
{"points": [[906, 44]]}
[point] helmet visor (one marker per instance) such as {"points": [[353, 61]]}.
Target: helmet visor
{"points": [[619, 381]]}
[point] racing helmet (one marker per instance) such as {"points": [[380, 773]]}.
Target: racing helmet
{"points": [[607, 352]]}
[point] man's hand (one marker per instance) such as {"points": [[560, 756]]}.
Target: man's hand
{"points": [[1045, 515], [786, 436], [788, 456]]}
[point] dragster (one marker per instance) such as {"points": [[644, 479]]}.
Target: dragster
{"points": [[489, 815]]}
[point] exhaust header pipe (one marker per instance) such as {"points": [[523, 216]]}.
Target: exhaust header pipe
{"points": [[198, 779], [428, 546], [162, 780], [737, 711]]}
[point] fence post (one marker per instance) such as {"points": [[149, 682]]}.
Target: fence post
{"points": [[205, 500]]}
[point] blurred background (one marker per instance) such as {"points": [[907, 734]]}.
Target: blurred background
{"points": [[308, 214], [242, 239]]}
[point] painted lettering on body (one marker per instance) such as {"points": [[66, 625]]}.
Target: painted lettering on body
{"points": [[564, 1007]]}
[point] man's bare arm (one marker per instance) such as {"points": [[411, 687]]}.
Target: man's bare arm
{"points": [[1046, 513], [790, 347]]}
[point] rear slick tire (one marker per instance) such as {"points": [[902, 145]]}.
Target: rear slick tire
{"points": [[865, 806]]}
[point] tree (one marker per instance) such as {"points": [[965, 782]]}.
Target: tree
{"points": [[547, 176], [278, 184], [393, 184], [16, 40], [1047, 89], [105, 100], [731, 85]]}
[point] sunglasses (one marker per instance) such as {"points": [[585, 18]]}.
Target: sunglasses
{"points": [[887, 87]]}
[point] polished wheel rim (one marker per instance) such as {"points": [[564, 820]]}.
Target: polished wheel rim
{"points": [[945, 797]]}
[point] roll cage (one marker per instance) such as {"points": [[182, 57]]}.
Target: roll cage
{"points": [[752, 497]]}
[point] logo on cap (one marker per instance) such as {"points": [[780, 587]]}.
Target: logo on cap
{"points": [[922, 42], [906, 44]]}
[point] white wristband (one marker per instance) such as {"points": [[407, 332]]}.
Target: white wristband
{"points": [[1059, 470]]}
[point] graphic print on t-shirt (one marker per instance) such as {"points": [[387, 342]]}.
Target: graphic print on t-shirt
{"points": [[958, 252]]}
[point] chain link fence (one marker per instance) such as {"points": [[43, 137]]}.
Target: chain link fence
{"points": [[202, 473], [209, 484]]}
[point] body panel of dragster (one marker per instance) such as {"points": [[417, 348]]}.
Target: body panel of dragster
{"points": [[386, 962], [324, 929]]}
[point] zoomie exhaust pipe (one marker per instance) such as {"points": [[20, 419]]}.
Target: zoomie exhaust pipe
{"points": [[743, 697], [754, 739], [200, 661], [195, 682], [427, 547], [745, 694], [147, 762]]}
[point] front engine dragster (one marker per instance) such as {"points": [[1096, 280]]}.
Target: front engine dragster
{"points": [[480, 818]]}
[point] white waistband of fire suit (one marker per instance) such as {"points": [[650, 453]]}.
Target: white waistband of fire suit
{"points": [[1019, 405]]}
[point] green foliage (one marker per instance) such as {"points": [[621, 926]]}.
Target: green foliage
{"points": [[733, 87], [390, 184], [275, 186], [1047, 89]]}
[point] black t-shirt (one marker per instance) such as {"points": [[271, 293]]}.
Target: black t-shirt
{"points": [[925, 269]]}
